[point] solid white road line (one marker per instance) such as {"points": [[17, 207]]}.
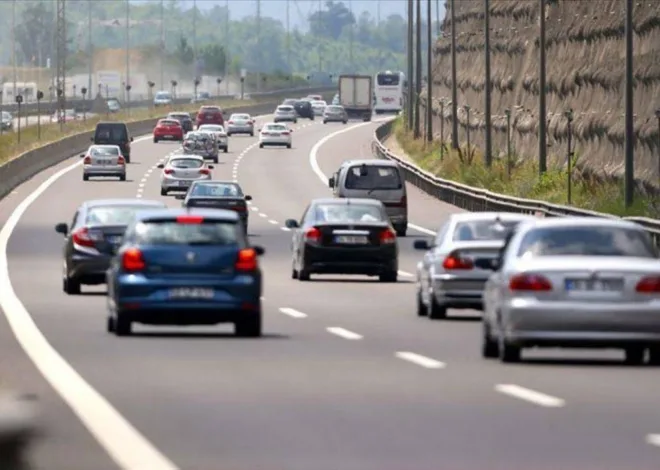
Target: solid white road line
{"points": [[292, 312], [313, 162], [653, 439], [344, 333], [126, 445], [405, 274], [420, 360], [531, 396]]}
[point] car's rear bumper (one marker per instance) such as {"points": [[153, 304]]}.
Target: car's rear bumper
{"points": [[275, 141], [240, 129], [333, 118], [180, 184], [285, 119], [89, 269], [187, 313], [454, 291], [105, 171], [169, 136], [350, 260]]}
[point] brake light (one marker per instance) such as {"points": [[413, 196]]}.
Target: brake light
{"points": [[204, 171], [649, 285], [121, 160], [132, 260], [286, 133], [189, 219], [454, 261], [313, 235], [387, 237], [87, 160], [529, 282], [231, 122], [82, 237], [168, 171], [246, 260]]}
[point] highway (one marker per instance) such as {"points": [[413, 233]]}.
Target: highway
{"points": [[346, 377]]}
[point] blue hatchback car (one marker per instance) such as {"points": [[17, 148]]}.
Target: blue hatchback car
{"points": [[185, 267]]}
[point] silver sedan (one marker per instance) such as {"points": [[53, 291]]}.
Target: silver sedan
{"points": [[456, 265], [104, 160], [334, 113], [240, 123], [574, 282], [181, 171]]}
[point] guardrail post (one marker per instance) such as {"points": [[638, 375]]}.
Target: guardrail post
{"points": [[469, 150], [657, 115], [19, 100], [442, 129]]}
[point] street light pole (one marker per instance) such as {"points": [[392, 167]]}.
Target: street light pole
{"points": [[454, 85], [629, 186], [543, 114], [429, 71], [162, 44], [90, 46], [418, 69], [128, 53], [411, 56], [488, 151]]}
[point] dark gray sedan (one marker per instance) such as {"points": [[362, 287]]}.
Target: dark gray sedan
{"points": [[92, 239]]}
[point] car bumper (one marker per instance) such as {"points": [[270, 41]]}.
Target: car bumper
{"points": [[240, 129], [274, 141], [458, 292], [285, 118], [110, 170], [89, 269], [335, 118], [169, 136], [532, 322], [350, 260], [180, 184]]}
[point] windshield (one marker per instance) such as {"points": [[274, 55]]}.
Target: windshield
{"points": [[104, 151], [172, 233], [197, 136], [113, 215], [184, 163], [373, 177], [179, 116], [587, 241], [112, 132], [162, 95], [388, 79], [168, 122], [275, 127], [483, 230], [6, 116], [216, 190], [348, 213]]}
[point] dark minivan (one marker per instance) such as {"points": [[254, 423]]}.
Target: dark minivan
{"points": [[114, 133], [304, 109]]}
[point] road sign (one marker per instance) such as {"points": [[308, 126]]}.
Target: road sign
{"points": [[243, 73]]}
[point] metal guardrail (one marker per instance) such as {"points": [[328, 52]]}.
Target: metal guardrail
{"points": [[50, 107], [480, 200]]}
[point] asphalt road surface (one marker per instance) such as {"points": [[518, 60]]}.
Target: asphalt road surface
{"points": [[345, 378]]}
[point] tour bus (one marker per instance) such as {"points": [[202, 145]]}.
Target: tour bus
{"points": [[388, 92]]}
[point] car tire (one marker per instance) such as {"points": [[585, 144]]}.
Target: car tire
{"points": [[251, 134], [294, 273], [634, 355], [155, 140], [422, 309], [390, 276], [122, 177], [249, 326], [110, 324], [85, 177], [436, 311], [226, 149], [288, 146], [401, 230], [216, 159], [325, 122], [654, 356], [507, 352], [228, 134], [71, 286], [261, 146], [489, 347], [163, 192], [123, 326], [304, 275], [128, 158], [345, 122]]}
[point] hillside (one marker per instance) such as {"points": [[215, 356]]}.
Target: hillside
{"points": [[585, 72]]}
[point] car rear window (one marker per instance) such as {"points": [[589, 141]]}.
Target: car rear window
{"points": [[172, 233], [240, 117], [211, 128], [162, 96], [587, 241], [180, 116], [216, 190], [184, 163], [373, 177], [168, 122], [388, 79], [210, 109], [276, 127], [104, 151], [483, 230], [348, 213], [285, 108], [334, 108], [113, 215], [111, 132]]}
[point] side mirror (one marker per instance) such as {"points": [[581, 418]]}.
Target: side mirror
{"points": [[62, 228], [82, 155], [495, 264], [131, 139], [290, 130], [248, 198], [260, 250], [291, 223], [259, 129], [180, 196], [423, 245], [161, 166], [210, 167], [331, 182]]}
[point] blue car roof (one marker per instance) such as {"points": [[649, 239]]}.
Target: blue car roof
{"points": [[214, 214]]}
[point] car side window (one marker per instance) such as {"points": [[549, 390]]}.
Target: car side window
{"points": [[503, 251], [442, 233]]}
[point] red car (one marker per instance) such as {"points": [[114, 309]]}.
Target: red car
{"points": [[168, 129], [210, 115]]}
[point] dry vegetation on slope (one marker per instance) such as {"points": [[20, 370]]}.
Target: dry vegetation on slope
{"points": [[585, 72]]}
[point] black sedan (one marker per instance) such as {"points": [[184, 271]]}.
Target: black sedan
{"points": [[184, 119], [218, 195], [344, 236], [93, 237]]}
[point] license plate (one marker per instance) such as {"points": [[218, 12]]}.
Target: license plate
{"points": [[114, 239], [103, 161], [596, 285], [191, 293], [351, 239]]}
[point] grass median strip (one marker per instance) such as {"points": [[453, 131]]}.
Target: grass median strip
{"points": [[32, 138], [523, 178]]}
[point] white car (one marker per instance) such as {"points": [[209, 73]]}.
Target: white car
{"points": [[220, 135], [163, 98], [275, 134], [181, 171], [318, 106], [104, 160]]}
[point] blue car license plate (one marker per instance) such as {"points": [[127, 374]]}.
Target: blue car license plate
{"points": [[191, 293]]}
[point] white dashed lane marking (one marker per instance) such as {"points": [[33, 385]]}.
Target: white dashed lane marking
{"points": [[292, 312], [420, 360], [653, 439], [261, 214], [344, 333], [529, 395], [286, 229], [274, 222]]}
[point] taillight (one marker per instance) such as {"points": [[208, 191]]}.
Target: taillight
{"points": [[231, 122], [82, 237], [189, 219], [454, 261], [246, 260], [204, 171], [313, 235], [132, 260], [87, 160], [168, 171], [121, 160], [649, 285], [387, 237], [286, 133], [529, 282]]}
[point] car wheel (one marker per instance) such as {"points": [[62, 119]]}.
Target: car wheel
{"points": [[110, 324], [123, 326], [436, 311], [508, 352], [261, 146], [401, 230], [288, 146], [122, 177], [654, 356], [163, 192], [345, 122], [304, 275], [325, 122], [251, 134], [215, 159], [228, 134], [294, 273], [85, 177], [390, 276], [489, 347], [422, 309], [155, 140], [128, 159], [226, 149], [634, 355], [71, 286], [249, 326]]}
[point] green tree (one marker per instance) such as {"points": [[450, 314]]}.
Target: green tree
{"points": [[214, 57], [184, 53], [331, 21]]}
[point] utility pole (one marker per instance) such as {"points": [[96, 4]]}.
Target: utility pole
{"points": [[318, 47], [543, 113], [60, 44], [380, 45], [488, 151], [227, 48], [429, 72], [411, 55], [196, 65], [128, 50], [90, 47], [454, 85], [162, 44], [629, 180], [258, 71], [13, 45], [418, 69], [288, 39], [437, 17], [350, 40]]}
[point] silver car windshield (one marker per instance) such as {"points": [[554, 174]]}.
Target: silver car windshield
{"points": [[483, 230], [112, 215], [184, 163], [587, 241], [104, 151], [240, 117]]}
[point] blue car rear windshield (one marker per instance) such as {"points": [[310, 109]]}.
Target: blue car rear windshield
{"points": [[172, 233]]}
